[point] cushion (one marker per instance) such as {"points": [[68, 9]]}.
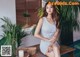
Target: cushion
{"points": [[29, 30]]}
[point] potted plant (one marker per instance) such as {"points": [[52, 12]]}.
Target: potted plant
{"points": [[12, 34], [26, 15], [40, 12]]}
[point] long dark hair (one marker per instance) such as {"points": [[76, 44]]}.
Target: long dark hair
{"points": [[55, 15]]}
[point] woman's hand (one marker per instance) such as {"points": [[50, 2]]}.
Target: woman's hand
{"points": [[46, 39], [52, 40]]}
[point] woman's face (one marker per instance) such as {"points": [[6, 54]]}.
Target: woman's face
{"points": [[49, 9]]}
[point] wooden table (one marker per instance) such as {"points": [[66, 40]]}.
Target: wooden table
{"points": [[63, 50], [67, 50], [27, 51]]}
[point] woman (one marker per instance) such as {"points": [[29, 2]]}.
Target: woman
{"points": [[48, 31]]}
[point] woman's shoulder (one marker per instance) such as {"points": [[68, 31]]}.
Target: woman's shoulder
{"points": [[42, 18]]}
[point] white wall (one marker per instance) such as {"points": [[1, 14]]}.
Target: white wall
{"points": [[76, 34], [7, 9], [43, 3]]}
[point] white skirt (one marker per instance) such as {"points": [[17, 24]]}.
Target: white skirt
{"points": [[44, 46]]}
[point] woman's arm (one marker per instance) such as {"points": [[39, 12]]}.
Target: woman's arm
{"points": [[37, 31], [55, 36]]}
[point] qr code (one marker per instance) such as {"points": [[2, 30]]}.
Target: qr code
{"points": [[6, 50]]}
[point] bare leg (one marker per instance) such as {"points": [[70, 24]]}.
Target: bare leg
{"points": [[56, 50], [50, 52]]}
